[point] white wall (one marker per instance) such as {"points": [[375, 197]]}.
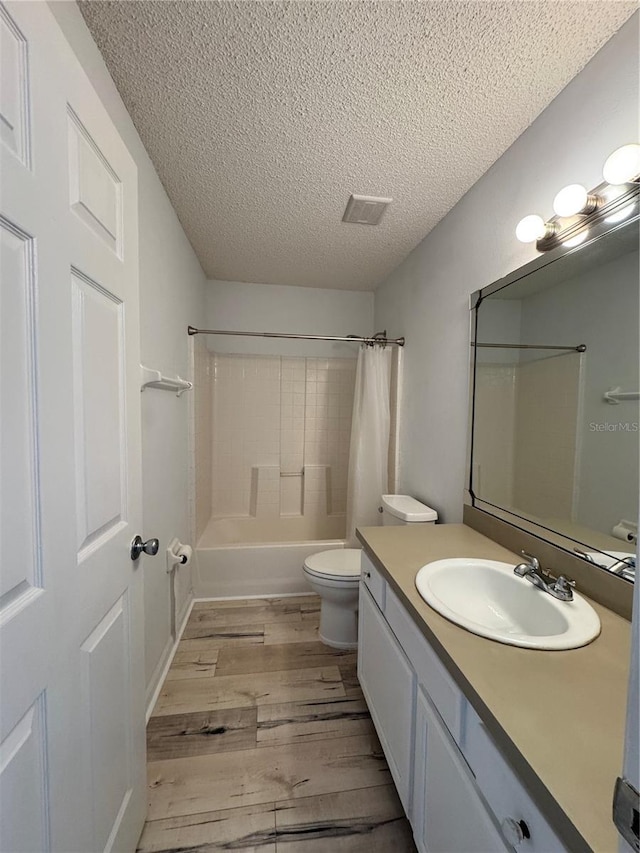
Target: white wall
{"points": [[498, 323], [279, 308], [171, 297], [427, 297]]}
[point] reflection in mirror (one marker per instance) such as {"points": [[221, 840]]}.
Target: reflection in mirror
{"points": [[556, 410]]}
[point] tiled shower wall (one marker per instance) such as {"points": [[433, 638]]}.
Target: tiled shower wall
{"points": [[527, 412], [547, 409], [494, 432], [273, 419]]}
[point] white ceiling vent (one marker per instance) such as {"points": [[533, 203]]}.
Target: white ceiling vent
{"points": [[365, 209]]}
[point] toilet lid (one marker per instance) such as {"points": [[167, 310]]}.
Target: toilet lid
{"points": [[341, 562]]}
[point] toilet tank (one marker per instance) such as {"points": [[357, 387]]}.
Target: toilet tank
{"points": [[403, 509]]}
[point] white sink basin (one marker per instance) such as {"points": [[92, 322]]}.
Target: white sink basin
{"points": [[487, 598]]}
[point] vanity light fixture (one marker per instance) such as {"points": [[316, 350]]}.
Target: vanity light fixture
{"points": [[576, 208]]}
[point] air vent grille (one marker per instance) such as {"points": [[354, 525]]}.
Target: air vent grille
{"points": [[365, 209]]}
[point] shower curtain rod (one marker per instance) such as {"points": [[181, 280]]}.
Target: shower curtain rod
{"points": [[579, 348], [378, 338]]}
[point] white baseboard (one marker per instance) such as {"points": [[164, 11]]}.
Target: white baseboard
{"points": [[254, 597], [181, 620], [186, 612]]}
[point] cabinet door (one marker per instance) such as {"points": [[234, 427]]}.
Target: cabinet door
{"points": [[449, 816], [388, 683], [503, 791]]}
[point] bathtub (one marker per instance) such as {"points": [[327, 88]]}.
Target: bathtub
{"points": [[251, 556]]}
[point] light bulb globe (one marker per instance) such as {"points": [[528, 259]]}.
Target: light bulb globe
{"points": [[571, 200], [623, 165], [531, 228]]}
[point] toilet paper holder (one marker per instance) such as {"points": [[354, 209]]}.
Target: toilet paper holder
{"points": [[178, 554], [625, 530]]}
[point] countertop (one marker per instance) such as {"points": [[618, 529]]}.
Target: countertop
{"points": [[557, 716]]}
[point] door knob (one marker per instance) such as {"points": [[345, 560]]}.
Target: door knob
{"points": [[149, 547]]}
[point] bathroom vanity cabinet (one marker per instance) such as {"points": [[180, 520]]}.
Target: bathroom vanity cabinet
{"points": [[457, 789], [390, 698]]}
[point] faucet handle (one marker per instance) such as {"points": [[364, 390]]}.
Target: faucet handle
{"points": [[563, 588], [535, 563]]}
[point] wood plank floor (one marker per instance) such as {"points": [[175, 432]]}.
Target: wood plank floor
{"points": [[261, 741]]}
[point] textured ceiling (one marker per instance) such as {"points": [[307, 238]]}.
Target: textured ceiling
{"points": [[262, 118]]}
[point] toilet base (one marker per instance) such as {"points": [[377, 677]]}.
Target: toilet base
{"points": [[333, 645], [339, 624]]}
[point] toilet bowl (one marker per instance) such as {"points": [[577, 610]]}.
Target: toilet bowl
{"points": [[335, 576]]}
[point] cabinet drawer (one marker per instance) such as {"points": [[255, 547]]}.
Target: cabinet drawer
{"points": [[431, 674], [503, 791], [374, 581]]}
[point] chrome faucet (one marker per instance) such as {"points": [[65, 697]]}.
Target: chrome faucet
{"points": [[560, 588], [625, 567]]}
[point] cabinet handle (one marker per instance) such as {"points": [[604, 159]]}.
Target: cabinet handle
{"points": [[367, 574], [515, 831]]}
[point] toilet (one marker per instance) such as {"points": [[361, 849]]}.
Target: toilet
{"points": [[335, 575]]}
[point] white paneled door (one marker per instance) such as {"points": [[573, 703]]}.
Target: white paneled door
{"points": [[71, 619]]}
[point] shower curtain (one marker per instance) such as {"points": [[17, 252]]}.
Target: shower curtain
{"points": [[369, 448]]}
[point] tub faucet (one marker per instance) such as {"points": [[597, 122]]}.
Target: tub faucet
{"points": [[560, 587]]}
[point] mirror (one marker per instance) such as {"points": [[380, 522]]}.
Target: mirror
{"points": [[555, 423]]}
